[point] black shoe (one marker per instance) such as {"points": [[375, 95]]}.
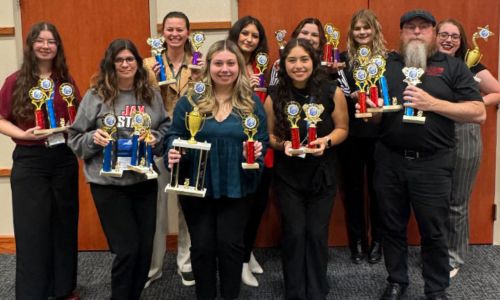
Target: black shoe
{"points": [[375, 254], [394, 291], [357, 254]]}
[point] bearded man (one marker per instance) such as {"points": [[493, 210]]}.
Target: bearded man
{"points": [[414, 162]]}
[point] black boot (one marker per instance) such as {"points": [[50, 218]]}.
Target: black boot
{"points": [[357, 253], [375, 254]]}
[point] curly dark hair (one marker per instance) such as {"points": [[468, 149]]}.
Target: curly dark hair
{"points": [[284, 89], [106, 84]]}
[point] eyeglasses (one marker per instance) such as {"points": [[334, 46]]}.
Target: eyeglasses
{"points": [[444, 36], [119, 60], [50, 42]]}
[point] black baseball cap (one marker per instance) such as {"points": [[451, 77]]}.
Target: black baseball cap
{"points": [[418, 13]]}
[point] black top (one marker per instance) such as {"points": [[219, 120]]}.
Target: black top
{"points": [[477, 68], [445, 78], [357, 127], [312, 173]]}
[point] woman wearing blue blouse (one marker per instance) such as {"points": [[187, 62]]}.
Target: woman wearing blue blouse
{"points": [[217, 222]]}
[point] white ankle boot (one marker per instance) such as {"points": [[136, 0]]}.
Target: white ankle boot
{"points": [[254, 265], [247, 276]]}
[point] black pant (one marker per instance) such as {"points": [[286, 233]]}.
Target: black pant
{"points": [[128, 218], [424, 185], [258, 206], [356, 157], [44, 185], [216, 227], [305, 218]]}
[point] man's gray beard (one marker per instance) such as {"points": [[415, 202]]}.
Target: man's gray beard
{"points": [[415, 54]]}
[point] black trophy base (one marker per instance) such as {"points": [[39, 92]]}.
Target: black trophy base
{"points": [[112, 173], [167, 82], [248, 166], [194, 67], [363, 115], [414, 119], [392, 108], [50, 130], [186, 190]]}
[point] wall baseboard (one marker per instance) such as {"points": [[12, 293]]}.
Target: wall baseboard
{"points": [[8, 244]]}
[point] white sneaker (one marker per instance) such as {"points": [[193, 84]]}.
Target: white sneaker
{"points": [[254, 265], [454, 272], [151, 279], [247, 276]]}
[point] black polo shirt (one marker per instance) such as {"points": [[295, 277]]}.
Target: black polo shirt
{"points": [[446, 78]]}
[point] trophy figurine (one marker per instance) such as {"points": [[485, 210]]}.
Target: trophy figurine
{"points": [[141, 160], [109, 166], [335, 44], [261, 59], [373, 71], [361, 80], [413, 78], [388, 105], [68, 94], [293, 110], [313, 112], [157, 50], [280, 38], [250, 124], [328, 47], [197, 40], [188, 176], [472, 57]]}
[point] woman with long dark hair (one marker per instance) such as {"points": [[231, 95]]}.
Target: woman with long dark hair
{"points": [[44, 181], [305, 186], [250, 36], [126, 205]]}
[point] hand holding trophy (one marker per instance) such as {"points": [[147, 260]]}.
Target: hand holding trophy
{"points": [[188, 175], [388, 106], [262, 60], [250, 124], [293, 111], [109, 166], [197, 40], [157, 50], [313, 112], [413, 78]]}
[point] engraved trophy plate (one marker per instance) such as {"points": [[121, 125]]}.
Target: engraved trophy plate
{"points": [[413, 78]]}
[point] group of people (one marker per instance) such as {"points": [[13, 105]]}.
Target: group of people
{"points": [[421, 167]]}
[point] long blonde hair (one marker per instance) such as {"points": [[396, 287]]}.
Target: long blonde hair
{"points": [[378, 42], [241, 98]]}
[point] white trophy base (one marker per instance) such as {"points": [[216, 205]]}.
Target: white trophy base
{"points": [[414, 119], [194, 67], [363, 115], [325, 63], [50, 130], [149, 172], [392, 108], [374, 109], [248, 166], [112, 173], [178, 142], [260, 89], [186, 190], [297, 152], [167, 82]]}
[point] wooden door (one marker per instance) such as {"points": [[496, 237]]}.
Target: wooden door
{"points": [[87, 28], [471, 14]]}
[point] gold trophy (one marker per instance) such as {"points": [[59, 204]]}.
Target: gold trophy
{"points": [[157, 50], [280, 38], [197, 40], [142, 159], [46, 86], [328, 47], [473, 56], [188, 176], [261, 59], [250, 124], [373, 76], [335, 43], [293, 111], [313, 112], [109, 165], [413, 78], [361, 80]]}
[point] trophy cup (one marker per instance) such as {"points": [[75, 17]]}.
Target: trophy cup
{"points": [[413, 78], [141, 160], [373, 71], [293, 115], [335, 44], [250, 124], [361, 80], [280, 38], [109, 166], [261, 60], [188, 176], [388, 105], [313, 112], [157, 50], [328, 47], [197, 40], [68, 94], [472, 57]]}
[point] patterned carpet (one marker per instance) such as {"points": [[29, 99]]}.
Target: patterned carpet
{"points": [[478, 279]]}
